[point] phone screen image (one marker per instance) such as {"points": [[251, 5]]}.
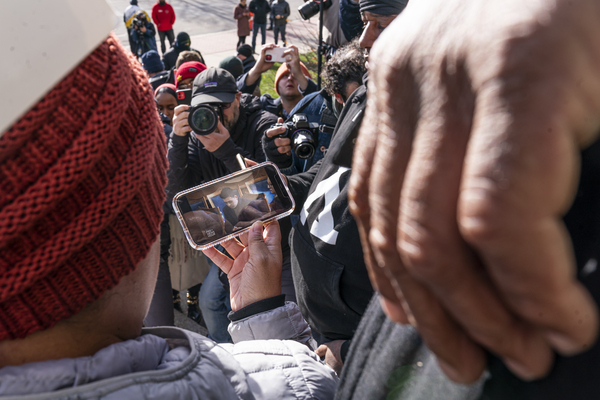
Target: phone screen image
{"points": [[226, 207]]}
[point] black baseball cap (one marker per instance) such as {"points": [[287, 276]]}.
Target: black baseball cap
{"points": [[214, 85]]}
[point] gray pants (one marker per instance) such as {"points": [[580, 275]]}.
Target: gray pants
{"points": [[277, 30]]}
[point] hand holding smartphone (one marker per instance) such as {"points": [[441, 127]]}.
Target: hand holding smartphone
{"points": [[184, 96], [276, 55], [227, 207]]}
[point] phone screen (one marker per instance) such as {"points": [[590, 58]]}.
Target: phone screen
{"points": [[226, 207]]}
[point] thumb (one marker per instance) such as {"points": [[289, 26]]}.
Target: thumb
{"points": [[279, 120], [321, 350], [256, 242]]}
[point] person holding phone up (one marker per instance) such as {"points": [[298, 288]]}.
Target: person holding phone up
{"points": [[195, 159]]}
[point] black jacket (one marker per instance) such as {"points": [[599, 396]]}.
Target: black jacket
{"points": [[281, 8], [260, 8], [170, 56], [190, 164], [331, 280], [248, 63]]}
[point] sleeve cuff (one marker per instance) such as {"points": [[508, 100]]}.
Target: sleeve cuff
{"points": [[344, 349], [258, 307]]}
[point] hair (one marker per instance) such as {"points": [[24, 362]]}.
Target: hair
{"points": [[186, 56], [347, 65], [227, 192]]}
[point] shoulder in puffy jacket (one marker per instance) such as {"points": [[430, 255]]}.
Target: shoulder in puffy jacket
{"points": [[269, 360]]}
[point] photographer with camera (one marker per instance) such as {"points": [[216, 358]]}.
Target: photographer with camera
{"points": [[207, 136], [343, 74], [143, 34], [292, 81], [330, 276]]}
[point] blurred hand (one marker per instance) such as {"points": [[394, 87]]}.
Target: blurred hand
{"points": [[332, 353], [465, 164], [143, 29], [180, 121], [260, 66], [214, 140], [293, 63], [278, 149], [255, 271]]}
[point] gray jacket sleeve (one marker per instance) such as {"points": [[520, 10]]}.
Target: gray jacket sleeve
{"points": [[284, 323]]}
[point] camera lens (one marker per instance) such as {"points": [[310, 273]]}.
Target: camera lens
{"points": [[203, 120], [303, 144], [311, 8], [308, 9]]}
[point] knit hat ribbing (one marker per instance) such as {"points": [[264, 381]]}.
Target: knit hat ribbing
{"points": [[82, 177]]}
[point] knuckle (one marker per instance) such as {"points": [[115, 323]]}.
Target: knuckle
{"points": [[422, 251], [482, 220]]}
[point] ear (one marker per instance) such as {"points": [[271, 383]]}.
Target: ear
{"points": [[238, 96], [338, 98]]}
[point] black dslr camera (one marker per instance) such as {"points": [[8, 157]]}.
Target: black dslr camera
{"points": [[203, 118], [137, 23], [303, 135], [311, 8]]}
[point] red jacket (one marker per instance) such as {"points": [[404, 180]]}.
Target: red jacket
{"points": [[163, 16]]}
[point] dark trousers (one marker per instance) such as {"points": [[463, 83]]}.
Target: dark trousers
{"points": [[263, 32], [170, 35], [161, 308], [132, 43], [277, 30], [241, 41]]}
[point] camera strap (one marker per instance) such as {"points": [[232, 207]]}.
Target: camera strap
{"points": [[328, 118]]}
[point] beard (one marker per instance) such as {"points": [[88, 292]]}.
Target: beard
{"points": [[230, 122]]}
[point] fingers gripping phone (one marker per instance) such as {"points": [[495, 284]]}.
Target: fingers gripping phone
{"points": [[227, 207], [276, 54]]}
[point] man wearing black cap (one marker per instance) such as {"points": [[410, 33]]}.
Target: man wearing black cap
{"points": [[195, 159], [182, 43], [331, 279], [244, 53]]}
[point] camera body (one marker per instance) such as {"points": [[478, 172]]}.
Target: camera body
{"points": [[137, 23], [311, 8], [203, 118], [303, 135]]}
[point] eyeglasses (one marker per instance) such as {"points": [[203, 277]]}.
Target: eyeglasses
{"points": [[225, 106]]}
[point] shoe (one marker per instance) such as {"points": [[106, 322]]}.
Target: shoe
{"points": [[193, 311], [177, 301]]}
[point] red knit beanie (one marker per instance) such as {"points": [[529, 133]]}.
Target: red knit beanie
{"points": [[188, 70], [82, 177], [284, 70]]}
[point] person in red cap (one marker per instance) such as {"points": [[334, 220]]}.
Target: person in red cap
{"points": [[83, 174], [185, 74], [292, 82]]}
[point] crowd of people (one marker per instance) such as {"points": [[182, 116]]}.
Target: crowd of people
{"points": [[445, 236]]}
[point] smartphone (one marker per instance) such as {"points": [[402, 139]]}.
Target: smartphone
{"points": [[276, 54], [184, 96], [227, 207]]}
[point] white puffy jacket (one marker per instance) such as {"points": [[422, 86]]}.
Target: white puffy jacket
{"points": [[172, 363]]}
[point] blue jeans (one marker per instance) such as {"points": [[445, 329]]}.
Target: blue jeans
{"points": [[263, 32], [215, 305]]}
